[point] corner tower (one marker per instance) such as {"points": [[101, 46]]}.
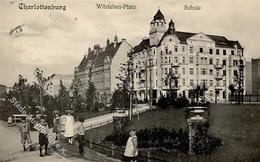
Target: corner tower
{"points": [[157, 28]]}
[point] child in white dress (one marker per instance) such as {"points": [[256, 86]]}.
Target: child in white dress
{"points": [[131, 150]]}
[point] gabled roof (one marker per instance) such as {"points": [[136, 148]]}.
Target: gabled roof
{"points": [[220, 41], [91, 56], [109, 51], [158, 16], [142, 45]]}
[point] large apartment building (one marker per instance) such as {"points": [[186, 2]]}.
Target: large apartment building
{"points": [[193, 58], [102, 65]]}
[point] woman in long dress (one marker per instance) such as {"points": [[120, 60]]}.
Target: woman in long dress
{"points": [[69, 127]]}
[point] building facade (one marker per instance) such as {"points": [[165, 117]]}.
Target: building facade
{"points": [[255, 76], [102, 65], [193, 58]]}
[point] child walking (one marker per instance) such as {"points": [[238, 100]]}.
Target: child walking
{"points": [[25, 134], [43, 140], [80, 133], [131, 150]]}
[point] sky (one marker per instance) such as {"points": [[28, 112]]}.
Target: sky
{"points": [[56, 41]]}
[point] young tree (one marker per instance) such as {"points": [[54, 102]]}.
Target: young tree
{"points": [[91, 95], [63, 97], [77, 97], [43, 83]]}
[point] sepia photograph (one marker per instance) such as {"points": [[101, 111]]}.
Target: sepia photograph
{"points": [[129, 81]]}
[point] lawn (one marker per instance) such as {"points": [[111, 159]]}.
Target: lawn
{"points": [[237, 126]]}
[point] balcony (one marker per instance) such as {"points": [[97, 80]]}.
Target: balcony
{"points": [[218, 77], [176, 64], [219, 87], [218, 66]]}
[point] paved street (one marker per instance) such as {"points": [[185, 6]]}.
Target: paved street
{"points": [[11, 149], [108, 118]]}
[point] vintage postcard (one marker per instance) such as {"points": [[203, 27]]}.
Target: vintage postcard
{"points": [[130, 80]]}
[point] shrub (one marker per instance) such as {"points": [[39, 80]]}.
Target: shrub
{"points": [[204, 142], [155, 138]]}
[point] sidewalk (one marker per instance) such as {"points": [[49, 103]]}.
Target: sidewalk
{"points": [[108, 118]]}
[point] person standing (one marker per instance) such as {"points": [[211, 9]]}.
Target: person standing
{"points": [[56, 126], [81, 133], [10, 121], [43, 139], [131, 150], [24, 129], [69, 127]]}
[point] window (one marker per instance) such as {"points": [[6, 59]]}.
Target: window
{"points": [[156, 61], [191, 82], [155, 71], [166, 70], [206, 60], [203, 71], [224, 52], [224, 72], [165, 60], [175, 48], [183, 82], [211, 83], [224, 62], [217, 51], [170, 40], [211, 61], [211, 93], [201, 50], [183, 60], [176, 70], [183, 71], [232, 52], [224, 94], [210, 71], [204, 82], [235, 73], [156, 83], [183, 48], [169, 59], [210, 51], [166, 50], [191, 60], [191, 71], [176, 59], [191, 49]]}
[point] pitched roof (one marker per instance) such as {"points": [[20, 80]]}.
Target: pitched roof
{"points": [[109, 51], [220, 41], [85, 60], [158, 16], [143, 44]]}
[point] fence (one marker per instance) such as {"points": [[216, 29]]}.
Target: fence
{"points": [[145, 155], [117, 152], [245, 98]]}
